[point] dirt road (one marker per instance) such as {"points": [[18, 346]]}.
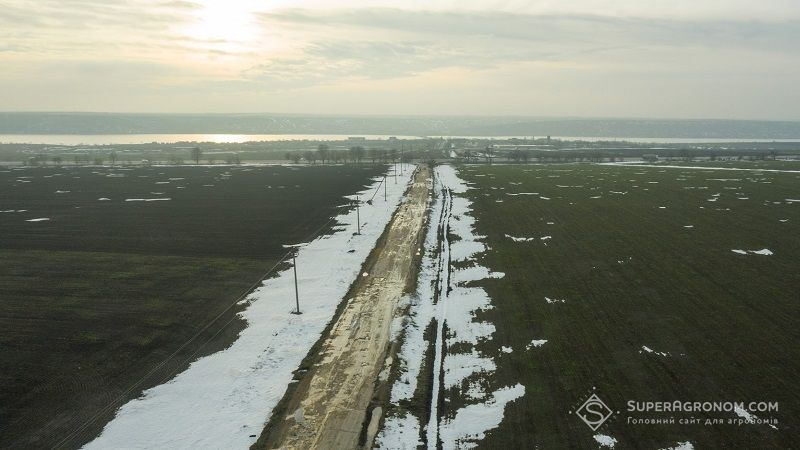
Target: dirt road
{"points": [[329, 409]]}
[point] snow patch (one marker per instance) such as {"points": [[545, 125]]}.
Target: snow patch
{"points": [[763, 252], [472, 421], [605, 440], [399, 433], [520, 239], [650, 350], [536, 343]]}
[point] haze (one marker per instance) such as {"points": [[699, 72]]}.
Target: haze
{"points": [[732, 59]]}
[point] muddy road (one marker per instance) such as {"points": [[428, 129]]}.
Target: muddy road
{"points": [[330, 406]]}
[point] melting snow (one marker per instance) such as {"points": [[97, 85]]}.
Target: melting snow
{"points": [[749, 417], [681, 446], [605, 441], [41, 219], [763, 251], [520, 239], [399, 433], [536, 343], [147, 199], [472, 421], [456, 309], [224, 398], [650, 350]]}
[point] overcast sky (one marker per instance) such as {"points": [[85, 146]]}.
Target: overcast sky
{"points": [[591, 58]]}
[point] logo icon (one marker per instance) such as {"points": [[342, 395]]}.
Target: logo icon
{"points": [[594, 412]]}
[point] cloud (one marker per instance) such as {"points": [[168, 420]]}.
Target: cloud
{"points": [[551, 29], [405, 43], [571, 56]]}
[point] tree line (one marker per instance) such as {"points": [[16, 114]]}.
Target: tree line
{"points": [[355, 154]]}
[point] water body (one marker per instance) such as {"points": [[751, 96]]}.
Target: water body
{"points": [[121, 139]]}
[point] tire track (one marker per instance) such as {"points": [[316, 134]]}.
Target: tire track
{"points": [[439, 295]]}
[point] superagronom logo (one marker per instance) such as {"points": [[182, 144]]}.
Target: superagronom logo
{"points": [[594, 412]]}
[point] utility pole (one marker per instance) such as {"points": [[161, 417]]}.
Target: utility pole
{"points": [[384, 188], [358, 215], [296, 293]]}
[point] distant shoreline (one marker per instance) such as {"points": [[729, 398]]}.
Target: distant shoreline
{"points": [[299, 126], [177, 138]]}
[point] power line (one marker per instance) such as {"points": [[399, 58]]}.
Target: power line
{"points": [[106, 409]]}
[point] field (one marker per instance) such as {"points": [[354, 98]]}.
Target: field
{"points": [[128, 265], [792, 164], [630, 277]]}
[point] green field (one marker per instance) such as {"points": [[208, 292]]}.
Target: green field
{"points": [[98, 295], [737, 164], [650, 265]]}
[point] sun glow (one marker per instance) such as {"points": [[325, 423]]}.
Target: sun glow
{"points": [[221, 25]]}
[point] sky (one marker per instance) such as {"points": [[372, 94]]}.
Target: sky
{"points": [[728, 59]]}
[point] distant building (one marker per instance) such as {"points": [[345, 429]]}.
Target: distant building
{"points": [[356, 138]]}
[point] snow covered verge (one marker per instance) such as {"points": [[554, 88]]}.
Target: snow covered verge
{"points": [[445, 298], [223, 400]]}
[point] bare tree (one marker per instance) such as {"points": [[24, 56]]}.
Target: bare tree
{"points": [[294, 157], [489, 153], [322, 152], [196, 154], [357, 153]]}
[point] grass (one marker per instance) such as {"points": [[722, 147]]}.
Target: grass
{"points": [[737, 164], [632, 275], [96, 297]]}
